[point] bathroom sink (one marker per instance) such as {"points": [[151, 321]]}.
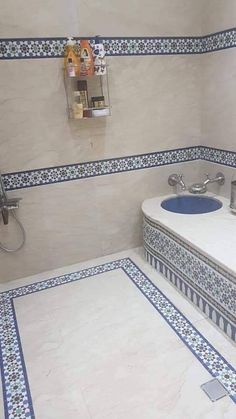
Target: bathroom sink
{"points": [[191, 204]]}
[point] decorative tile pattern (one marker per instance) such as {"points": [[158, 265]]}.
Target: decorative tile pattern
{"points": [[24, 48], [46, 176], [215, 155], [17, 398], [49, 175], [196, 297], [216, 287], [219, 40]]}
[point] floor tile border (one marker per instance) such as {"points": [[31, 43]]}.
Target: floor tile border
{"points": [[28, 48], [16, 389], [77, 171]]}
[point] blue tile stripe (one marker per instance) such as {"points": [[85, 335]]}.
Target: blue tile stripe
{"points": [[23, 48], [39, 177], [76, 171], [216, 155], [16, 390]]}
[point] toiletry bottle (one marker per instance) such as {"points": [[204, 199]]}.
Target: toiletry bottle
{"points": [[83, 91], [77, 106], [70, 68], [72, 57], [86, 58], [98, 101], [78, 110], [99, 58]]}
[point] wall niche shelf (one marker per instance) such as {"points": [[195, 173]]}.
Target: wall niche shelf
{"points": [[87, 96]]}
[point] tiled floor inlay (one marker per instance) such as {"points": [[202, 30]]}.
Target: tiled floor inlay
{"points": [[16, 389]]}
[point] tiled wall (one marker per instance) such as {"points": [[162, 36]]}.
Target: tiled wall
{"points": [[156, 103], [218, 87]]}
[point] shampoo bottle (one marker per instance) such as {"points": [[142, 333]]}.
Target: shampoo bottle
{"points": [[86, 58], [71, 58]]}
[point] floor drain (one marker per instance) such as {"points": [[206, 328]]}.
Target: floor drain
{"points": [[214, 390]]}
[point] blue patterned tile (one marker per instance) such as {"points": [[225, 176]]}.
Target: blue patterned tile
{"points": [[17, 396], [46, 176], [197, 274], [23, 48], [50, 175], [215, 155]]}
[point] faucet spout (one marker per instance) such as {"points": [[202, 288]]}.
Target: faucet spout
{"points": [[181, 183]]}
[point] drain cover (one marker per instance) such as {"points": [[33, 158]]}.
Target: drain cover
{"points": [[214, 390]]}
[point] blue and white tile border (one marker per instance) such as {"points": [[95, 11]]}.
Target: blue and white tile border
{"points": [[208, 285], [216, 155], [39, 177], [16, 388], [58, 174], [27, 48]]}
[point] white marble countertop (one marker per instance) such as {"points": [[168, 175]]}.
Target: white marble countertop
{"points": [[213, 234]]}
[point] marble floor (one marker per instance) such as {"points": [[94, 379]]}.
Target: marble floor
{"points": [[104, 344]]}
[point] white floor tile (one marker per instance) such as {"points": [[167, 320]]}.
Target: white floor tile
{"points": [[97, 348]]}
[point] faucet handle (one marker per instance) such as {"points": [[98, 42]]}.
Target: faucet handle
{"points": [[173, 179]]}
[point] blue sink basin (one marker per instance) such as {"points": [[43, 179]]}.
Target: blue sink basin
{"points": [[191, 204]]}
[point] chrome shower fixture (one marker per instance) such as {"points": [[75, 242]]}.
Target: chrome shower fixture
{"points": [[6, 204], [7, 207]]}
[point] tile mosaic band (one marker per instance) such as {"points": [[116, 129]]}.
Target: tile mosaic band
{"points": [[70, 172], [211, 287], [23, 48], [76, 171], [16, 390], [216, 155], [192, 294]]}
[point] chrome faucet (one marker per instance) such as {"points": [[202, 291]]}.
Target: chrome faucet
{"points": [[177, 179], [6, 204], [202, 187]]}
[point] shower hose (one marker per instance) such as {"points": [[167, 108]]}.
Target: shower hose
{"points": [[4, 248]]}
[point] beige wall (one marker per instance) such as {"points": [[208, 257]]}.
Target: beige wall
{"points": [[219, 87], [218, 103], [80, 220], [139, 18], [219, 80], [157, 105], [75, 221], [37, 18], [218, 15], [154, 112]]}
